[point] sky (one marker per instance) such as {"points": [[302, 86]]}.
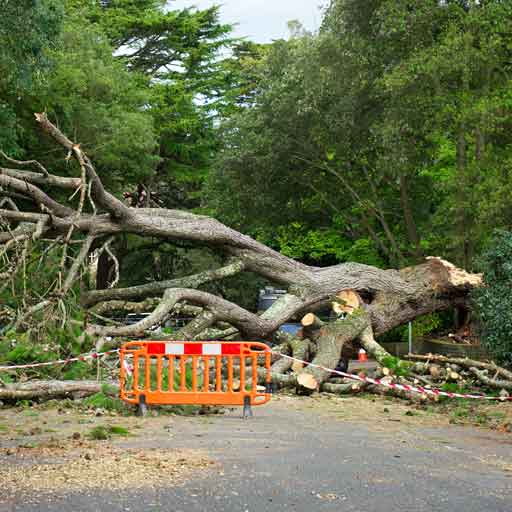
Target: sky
{"points": [[262, 20]]}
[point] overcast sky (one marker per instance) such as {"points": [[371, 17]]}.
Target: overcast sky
{"points": [[262, 20]]}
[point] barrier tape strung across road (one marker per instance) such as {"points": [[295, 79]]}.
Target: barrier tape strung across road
{"points": [[378, 382], [394, 385], [83, 357]]}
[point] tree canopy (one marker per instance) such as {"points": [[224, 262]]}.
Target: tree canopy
{"points": [[380, 139]]}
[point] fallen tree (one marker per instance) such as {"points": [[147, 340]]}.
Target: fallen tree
{"points": [[391, 297]]}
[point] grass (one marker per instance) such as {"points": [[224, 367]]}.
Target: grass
{"points": [[119, 431], [99, 433], [104, 432], [103, 401]]}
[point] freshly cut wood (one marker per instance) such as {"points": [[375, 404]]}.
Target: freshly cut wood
{"points": [[435, 371], [312, 321], [329, 346], [451, 375], [488, 381], [346, 302], [463, 362]]}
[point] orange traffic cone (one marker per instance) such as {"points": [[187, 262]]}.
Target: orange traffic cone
{"points": [[362, 355]]}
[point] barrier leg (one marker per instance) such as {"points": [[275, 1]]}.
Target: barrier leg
{"points": [[247, 407], [143, 408]]}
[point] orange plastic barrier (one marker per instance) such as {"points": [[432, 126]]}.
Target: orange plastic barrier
{"points": [[202, 373]]}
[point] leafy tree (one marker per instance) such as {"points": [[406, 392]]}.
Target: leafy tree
{"points": [[28, 29], [102, 104], [372, 121], [177, 51]]}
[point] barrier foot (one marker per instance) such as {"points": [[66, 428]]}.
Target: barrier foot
{"points": [[247, 407], [143, 408]]}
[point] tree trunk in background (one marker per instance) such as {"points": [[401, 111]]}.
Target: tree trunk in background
{"points": [[462, 184], [104, 271], [410, 223]]}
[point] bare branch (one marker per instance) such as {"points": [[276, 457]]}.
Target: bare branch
{"points": [[37, 195], [113, 257], [103, 198], [10, 202], [159, 287], [42, 179], [25, 162], [74, 270], [248, 323]]}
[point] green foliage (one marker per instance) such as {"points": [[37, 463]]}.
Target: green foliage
{"points": [[99, 433], [370, 130], [423, 326], [493, 303], [103, 400], [102, 104], [104, 432], [397, 366], [27, 32]]}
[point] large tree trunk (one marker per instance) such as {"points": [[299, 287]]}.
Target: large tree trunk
{"points": [[330, 344]]}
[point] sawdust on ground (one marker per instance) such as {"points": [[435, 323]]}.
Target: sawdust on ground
{"points": [[88, 466]]}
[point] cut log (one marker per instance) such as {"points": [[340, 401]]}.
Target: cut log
{"points": [[300, 350], [45, 390], [488, 381], [451, 375], [311, 321], [463, 362], [345, 388], [329, 346], [435, 371]]}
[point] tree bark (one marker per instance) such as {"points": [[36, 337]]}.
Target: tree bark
{"points": [[46, 390], [412, 230], [330, 344]]}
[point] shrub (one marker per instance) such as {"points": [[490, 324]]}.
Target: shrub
{"points": [[493, 303]]}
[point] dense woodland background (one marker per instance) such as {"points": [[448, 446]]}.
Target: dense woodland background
{"points": [[383, 138]]}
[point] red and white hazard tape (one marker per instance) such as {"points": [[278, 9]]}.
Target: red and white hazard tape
{"points": [[84, 357], [395, 385], [216, 349]]}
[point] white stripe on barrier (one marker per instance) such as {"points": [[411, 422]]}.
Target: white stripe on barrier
{"points": [[212, 349], [175, 349]]}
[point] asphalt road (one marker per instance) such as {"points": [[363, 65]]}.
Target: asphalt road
{"points": [[297, 456]]}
